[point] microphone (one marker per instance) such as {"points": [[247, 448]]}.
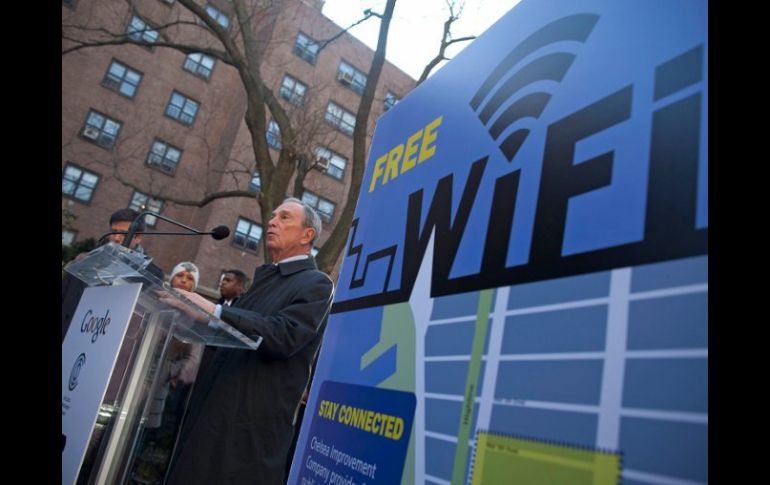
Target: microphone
{"points": [[218, 233]]}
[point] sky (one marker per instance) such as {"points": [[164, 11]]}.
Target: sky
{"points": [[417, 26]]}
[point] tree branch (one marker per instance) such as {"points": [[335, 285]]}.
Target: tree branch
{"points": [[461, 39], [183, 48], [367, 15], [446, 39]]}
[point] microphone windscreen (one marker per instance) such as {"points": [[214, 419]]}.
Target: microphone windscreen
{"points": [[220, 232]]}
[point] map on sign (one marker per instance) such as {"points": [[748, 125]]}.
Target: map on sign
{"points": [[529, 255]]}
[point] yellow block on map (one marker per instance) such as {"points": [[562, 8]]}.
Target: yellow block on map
{"points": [[505, 459]]}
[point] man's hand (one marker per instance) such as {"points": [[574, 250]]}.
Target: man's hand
{"points": [[201, 302], [195, 298]]}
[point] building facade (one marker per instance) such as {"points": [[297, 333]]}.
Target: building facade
{"points": [[144, 124]]}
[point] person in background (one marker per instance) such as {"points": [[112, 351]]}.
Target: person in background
{"points": [[184, 276], [232, 286], [167, 405], [72, 291], [72, 287], [121, 221]]}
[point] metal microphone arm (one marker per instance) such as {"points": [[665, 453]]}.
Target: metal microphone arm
{"points": [[132, 229], [144, 233]]}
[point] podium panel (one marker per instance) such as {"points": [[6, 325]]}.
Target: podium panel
{"points": [[139, 357]]}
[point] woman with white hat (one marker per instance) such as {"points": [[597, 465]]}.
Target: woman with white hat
{"points": [[179, 366], [185, 276]]}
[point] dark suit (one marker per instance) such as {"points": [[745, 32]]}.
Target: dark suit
{"points": [[222, 301], [240, 421]]}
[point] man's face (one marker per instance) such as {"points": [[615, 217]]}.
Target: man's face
{"points": [[286, 234], [230, 287], [118, 238]]}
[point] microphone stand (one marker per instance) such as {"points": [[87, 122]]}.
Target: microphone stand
{"points": [[99, 242], [132, 229]]}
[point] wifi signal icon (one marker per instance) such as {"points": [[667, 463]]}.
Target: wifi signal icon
{"points": [[515, 77]]}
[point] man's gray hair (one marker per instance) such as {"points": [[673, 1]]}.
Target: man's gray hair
{"points": [[312, 219]]}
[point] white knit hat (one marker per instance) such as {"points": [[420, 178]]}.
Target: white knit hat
{"points": [[186, 266]]}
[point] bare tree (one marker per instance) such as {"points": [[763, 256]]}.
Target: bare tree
{"points": [[242, 46], [455, 11]]}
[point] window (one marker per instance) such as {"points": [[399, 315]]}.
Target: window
{"points": [[140, 31], [247, 234], [293, 90], [164, 156], [335, 163], [390, 100], [78, 183], [218, 16], [341, 118], [324, 207], [67, 237], [101, 130], [142, 202], [351, 77], [122, 79], [182, 108], [306, 48], [199, 64], [256, 183], [274, 135]]}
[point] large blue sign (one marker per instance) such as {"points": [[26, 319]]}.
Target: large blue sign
{"points": [[529, 253]]}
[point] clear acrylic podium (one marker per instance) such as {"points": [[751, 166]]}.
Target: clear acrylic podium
{"points": [[139, 384]]}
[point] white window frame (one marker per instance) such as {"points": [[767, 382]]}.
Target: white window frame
{"points": [[75, 187], [198, 64], [164, 156], [141, 202], [249, 236], [122, 78], [139, 30], [340, 118], [183, 110]]}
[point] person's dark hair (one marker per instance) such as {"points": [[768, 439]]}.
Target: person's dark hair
{"points": [[240, 276], [127, 215]]}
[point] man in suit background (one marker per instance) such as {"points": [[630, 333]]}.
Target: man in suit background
{"points": [[72, 287], [232, 286]]}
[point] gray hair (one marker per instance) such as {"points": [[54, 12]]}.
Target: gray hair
{"points": [[312, 219]]}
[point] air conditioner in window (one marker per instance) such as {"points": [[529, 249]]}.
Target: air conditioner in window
{"points": [[345, 77], [321, 163], [111, 83], [91, 133]]}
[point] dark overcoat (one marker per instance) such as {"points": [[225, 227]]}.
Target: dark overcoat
{"points": [[240, 421]]}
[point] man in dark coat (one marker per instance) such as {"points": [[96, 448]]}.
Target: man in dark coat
{"points": [[241, 416]]}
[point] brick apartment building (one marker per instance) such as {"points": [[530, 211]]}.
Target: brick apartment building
{"points": [[170, 123]]}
